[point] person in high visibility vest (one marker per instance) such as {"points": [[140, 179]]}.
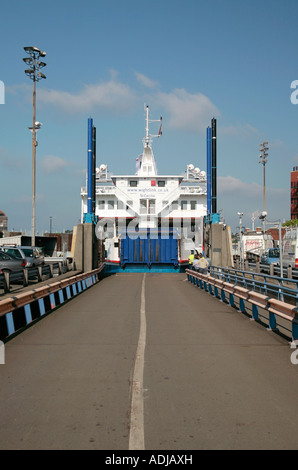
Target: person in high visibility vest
{"points": [[191, 257]]}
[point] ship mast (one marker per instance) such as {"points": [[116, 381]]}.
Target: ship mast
{"points": [[147, 127], [148, 137]]}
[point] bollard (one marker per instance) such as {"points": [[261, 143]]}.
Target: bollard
{"points": [[51, 270], [6, 282], [271, 269], [26, 277], [39, 276]]}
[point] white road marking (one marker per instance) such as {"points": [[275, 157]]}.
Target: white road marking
{"points": [[136, 434]]}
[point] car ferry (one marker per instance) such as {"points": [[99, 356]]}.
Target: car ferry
{"points": [[133, 210]]}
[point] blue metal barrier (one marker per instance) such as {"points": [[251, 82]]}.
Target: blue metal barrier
{"points": [[280, 288], [247, 286]]}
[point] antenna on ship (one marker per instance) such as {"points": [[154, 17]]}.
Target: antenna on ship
{"points": [[149, 136]]}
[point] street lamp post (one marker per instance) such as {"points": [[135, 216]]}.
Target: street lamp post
{"points": [[263, 160], [35, 64]]}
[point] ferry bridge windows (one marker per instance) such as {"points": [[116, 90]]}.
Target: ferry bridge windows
{"points": [[101, 205], [151, 206], [161, 184], [147, 206], [133, 183], [111, 205], [185, 205], [143, 206]]}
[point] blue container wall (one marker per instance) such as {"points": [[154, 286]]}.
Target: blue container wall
{"points": [[154, 250]]}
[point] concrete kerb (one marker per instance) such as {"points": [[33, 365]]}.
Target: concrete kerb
{"points": [[273, 306], [20, 311]]}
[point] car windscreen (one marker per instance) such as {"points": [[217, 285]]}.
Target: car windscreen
{"points": [[28, 252], [13, 252], [273, 254]]}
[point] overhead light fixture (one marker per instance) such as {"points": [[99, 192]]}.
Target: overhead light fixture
{"points": [[33, 49], [41, 75]]}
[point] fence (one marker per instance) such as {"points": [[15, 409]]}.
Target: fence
{"points": [[25, 275], [226, 284], [19, 311]]}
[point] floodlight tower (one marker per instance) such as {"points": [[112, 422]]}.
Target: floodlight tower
{"points": [[263, 159], [35, 64]]}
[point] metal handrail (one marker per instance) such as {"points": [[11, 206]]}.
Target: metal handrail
{"points": [[266, 284], [28, 274]]}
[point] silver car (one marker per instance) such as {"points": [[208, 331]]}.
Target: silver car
{"points": [[10, 263], [33, 255]]}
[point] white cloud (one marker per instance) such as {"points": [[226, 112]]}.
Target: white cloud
{"points": [[187, 111], [52, 164], [146, 81], [110, 95], [228, 184]]}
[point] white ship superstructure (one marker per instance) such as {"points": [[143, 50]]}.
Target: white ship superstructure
{"points": [[147, 200]]}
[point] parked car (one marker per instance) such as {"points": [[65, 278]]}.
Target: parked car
{"points": [[269, 256], [10, 263], [33, 255]]}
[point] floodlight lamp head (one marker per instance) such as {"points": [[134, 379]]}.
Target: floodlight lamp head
{"points": [[32, 50], [41, 75], [27, 60]]}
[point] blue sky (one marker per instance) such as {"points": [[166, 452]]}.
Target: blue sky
{"points": [[188, 60]]}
